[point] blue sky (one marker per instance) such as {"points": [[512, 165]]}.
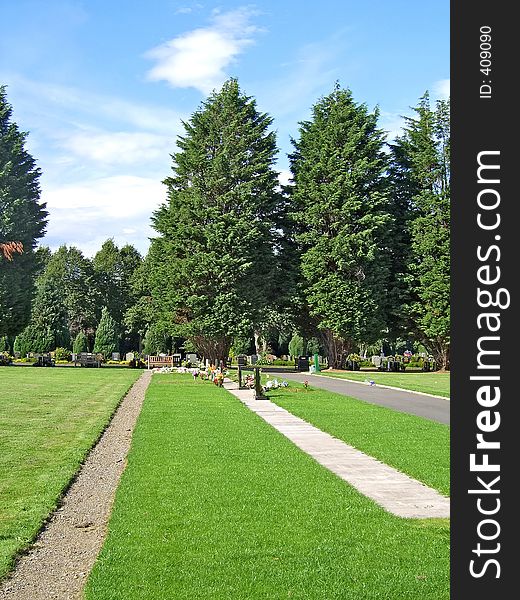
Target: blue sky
{"points": [[102, 85]]}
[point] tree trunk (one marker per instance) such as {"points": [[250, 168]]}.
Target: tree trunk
{"points": [[335, 348], [216, 350], [440, 350], [257, 343]]}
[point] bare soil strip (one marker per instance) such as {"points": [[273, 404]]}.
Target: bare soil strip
{"points": [[60, 560]]}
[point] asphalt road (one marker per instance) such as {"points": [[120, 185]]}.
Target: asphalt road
{"points": [[429, 407]]}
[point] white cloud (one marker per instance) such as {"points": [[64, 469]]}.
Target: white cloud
{"points": [[55, 104], [118, 148], [392, 123], [441, 89], [89, 212], [284, 177], [199, 58]]}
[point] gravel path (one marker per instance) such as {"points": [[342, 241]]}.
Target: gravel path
{"points": [[57, 566]]}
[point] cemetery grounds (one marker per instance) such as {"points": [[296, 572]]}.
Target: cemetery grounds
{"points": [[214, 503]]}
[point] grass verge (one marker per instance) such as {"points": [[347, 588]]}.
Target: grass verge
{"points": [[214, 503], [418, 447], [437, 384], [49, 420]]}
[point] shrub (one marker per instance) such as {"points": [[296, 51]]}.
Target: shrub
{"points": [[5, 346], [5, 359], [62, 355], [106, 340], [264, 361], [80, 343], [283, 363]]}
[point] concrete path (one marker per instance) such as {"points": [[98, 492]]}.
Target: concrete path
{"points": [[422, 405], [391, 489]]}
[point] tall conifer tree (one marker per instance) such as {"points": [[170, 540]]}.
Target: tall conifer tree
{"points": [[22, 223], [421, 159], [341, 207], [215, 255]]}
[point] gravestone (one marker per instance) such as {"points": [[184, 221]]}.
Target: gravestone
{"points": [[116, 356], [376, 361], [192, 358], [254, 359], [129, 356]]}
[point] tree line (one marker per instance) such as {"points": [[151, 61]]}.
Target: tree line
{"points": [[353, 252]]}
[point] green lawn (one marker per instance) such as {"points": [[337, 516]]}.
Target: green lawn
{"points": [[416, 446], [437, 384], [49, 419], [216, 504]]}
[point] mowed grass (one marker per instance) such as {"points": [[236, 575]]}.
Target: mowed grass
{"points": [[49, 419], [416, 446], [437, 384], [216, 504]]}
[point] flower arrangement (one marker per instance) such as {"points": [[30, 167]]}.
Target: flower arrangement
{"points": [[249, 381], [306, 384], [274, 384]]}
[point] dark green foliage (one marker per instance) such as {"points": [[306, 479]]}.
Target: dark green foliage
{"points": [[72, 276], [34, 339], [157, 340], [422, 160], [213, 262], [313, 346], [114, 268], [106, 340], [80, 343], [5, 345], [341, 208], [22, 220], [65, 303]]}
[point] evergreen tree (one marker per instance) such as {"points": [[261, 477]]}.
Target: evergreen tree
{"points": [[80, 343], [214, 260], [106, 340], [35, 338], [421, 157], [65, 303], [114, 269], [72, 275], [22, 223], [341, 208], [5, 345]]}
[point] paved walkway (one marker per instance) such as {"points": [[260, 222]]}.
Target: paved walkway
{"points": [[391, 489], [422, 405]]}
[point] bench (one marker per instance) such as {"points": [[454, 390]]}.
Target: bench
{"points": [[87, 359], [159, 361]]}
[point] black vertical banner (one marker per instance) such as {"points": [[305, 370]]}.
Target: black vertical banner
{"points": [[485, 353]]}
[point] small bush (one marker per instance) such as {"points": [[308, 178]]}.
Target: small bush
{"points": [[62, 355], [5, 359]]}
